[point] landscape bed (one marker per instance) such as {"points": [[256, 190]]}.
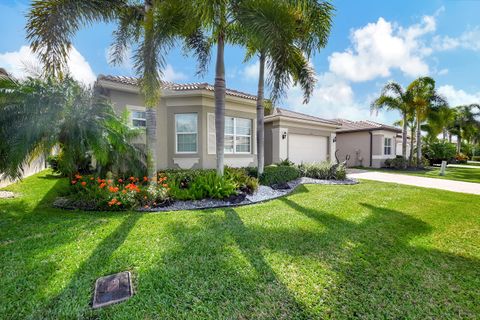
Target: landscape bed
{"points": [[177, 189]]}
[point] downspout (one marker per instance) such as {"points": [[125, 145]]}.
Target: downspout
{"points": [[371, 147]]}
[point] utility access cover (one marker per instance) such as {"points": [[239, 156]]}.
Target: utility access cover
{"points": [[112, 289]]}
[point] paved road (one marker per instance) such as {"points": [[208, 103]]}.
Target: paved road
{"points": [[442, 184]]}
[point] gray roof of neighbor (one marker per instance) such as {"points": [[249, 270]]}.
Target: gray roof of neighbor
{"points": [[301, 116], [132, 81], [364, 125]]}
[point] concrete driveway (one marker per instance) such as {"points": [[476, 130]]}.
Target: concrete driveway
{"points": [[442, 184]]}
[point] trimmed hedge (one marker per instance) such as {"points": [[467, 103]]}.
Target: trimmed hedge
{"points": [[324, 170], [274, 174]]}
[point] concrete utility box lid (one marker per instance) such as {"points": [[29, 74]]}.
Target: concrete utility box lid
{"points": [[112, 289]]}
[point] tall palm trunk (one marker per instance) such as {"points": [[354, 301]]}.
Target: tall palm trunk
{"points": [[444, 133], [412, 141], [459, 141], [419, 143], [151, 115], [260, 115], [220, 89], [404, 139]]}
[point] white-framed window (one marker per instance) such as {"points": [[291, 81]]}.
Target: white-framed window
{"points": [[186, 133], [139, 119], [387, 147], [238, 135]]}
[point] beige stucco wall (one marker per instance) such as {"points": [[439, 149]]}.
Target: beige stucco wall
{"points": [[356, 145], [35, 166], [200, 102], [277, 149]]}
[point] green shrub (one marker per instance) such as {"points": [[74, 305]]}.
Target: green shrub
{"points": [[396, 163], [476, 158], [199, 184], [439, 151], [278, 174], [286, 163], [324, 170], [242, 179]]}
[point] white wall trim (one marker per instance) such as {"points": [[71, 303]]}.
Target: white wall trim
{"points": [[238, 162], [185, 163]]}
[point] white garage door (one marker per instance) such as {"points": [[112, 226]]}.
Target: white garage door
{"points": [[307, 148]]}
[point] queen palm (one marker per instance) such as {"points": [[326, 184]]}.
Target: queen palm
{"points": [[152, 28], [285, 34], [394, 97], [424, 98], [464, 123], [440, 120]]}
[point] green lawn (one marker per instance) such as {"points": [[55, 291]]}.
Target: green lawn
{"points": [[372, 250], [451, 173]]}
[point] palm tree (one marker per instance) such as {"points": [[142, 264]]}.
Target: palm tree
{"points": [[424, 98], [273, 31], [439, 120], [394, 97], [464, 123], [40, 114], [153, 28]]}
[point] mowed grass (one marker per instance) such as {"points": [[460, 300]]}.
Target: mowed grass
{"points": [[451, 173], [372, 251]]}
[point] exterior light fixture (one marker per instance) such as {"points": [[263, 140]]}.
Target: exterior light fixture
{"points": [[284, 135]]}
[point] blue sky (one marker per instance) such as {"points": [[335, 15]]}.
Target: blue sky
{"points": [[371, 43]]}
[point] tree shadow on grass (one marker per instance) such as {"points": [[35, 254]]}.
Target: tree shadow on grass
{"points": [[77, 294], [35, 239], [381, 275]]}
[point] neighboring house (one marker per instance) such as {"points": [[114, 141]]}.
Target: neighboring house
{"points": [[367, 143], [298, 137], [35, 166], [186, 122]]}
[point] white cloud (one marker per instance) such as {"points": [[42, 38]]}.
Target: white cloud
{"points": [[250, 72], [470, 40], [442, 72], [169, 74], [380, 47], [17, 63], [457, 97], [333, 98]]}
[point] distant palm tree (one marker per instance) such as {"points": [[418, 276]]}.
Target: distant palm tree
{"points": [[465, 123], [425, 98], [283, 35], [152, 27], [439, 120], [37, 115], [394, 97]]}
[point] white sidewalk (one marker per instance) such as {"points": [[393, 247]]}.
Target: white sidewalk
{"points": [[443, 184]]}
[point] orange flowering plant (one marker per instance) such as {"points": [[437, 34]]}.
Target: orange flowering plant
{"points": [[120, 193]]}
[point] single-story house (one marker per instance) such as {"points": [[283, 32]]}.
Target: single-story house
{"points": [[367, 143], [298, 137], [186, 122]]}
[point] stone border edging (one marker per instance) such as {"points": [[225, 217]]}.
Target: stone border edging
{"points": [[263, 194]]}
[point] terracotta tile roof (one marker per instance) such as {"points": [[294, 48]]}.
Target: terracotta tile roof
{"points": [[297, 115], [364, 125], [132, 81]]}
